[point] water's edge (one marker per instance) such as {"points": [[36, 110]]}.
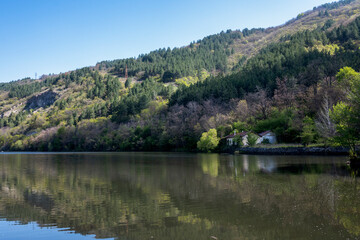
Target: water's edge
{"points": [[327, 151]]}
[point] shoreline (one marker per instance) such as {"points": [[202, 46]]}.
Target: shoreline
{"points": [[320, 151], [326, 151]]}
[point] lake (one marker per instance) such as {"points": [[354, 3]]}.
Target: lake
{"points": [[177, 196]]}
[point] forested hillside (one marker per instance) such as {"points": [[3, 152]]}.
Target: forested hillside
{"points": [[289, 79]]}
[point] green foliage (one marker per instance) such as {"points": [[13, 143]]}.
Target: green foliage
{"points": [[128, 83], [346, 114], [210, 54], [95, 112], [107, 87], [334, 5], [238, 140], [138, 99], [14, 119], [21, 91], [281, 123], [36, 121], [241, 126], [328, 24], [208, 141], [347, 77], [18, 145], [251, 139], [308, 132], [293, 57]]}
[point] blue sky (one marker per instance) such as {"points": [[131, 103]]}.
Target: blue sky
{"points": [[52, 36]]}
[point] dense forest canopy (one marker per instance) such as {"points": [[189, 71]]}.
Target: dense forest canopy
{"points": [[308, 56], [334, 5], [209, 53]]}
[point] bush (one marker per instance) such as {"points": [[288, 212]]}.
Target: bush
{"points": [[252, 138], [239, 140], [208, 141], [308, 133]]}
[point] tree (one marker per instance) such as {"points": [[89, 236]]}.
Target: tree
{"points": [[259, 103], [208, 141], [238, 140], [120, 113], [241, 111], [346, 114], [251, 139], [324, 124], [285, 93], [308, 132], [128, 83]]}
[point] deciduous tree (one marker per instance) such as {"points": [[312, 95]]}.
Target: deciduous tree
{"points": [[208, 141]]}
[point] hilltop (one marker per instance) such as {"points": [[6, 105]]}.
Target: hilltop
{"points": [[257, 79]]}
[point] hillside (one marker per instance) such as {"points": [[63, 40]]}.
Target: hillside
{"points": [[337, 13], [257, 80]]}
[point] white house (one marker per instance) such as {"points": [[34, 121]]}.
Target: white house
{"points": [[230, 140], [268, 135]]}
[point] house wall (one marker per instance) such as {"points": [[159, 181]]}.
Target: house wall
{"points": [[270, 137], [231, 141], [245, 140]]}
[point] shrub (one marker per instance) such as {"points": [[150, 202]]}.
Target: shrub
{"points": [[252, 138], [208, 141]]}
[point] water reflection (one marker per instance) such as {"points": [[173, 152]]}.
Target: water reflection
{"points": [[182, 196]]}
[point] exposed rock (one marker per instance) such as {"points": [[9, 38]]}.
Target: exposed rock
{"points": [[13, 110], [41, 100]]}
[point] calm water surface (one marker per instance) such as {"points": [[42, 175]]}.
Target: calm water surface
{"points": [[177, 196]]}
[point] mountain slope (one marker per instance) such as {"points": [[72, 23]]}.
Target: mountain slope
{"points": [[171, 96], [339, 13]]}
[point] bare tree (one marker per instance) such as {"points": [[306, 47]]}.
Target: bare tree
{"points": [[324, 124], [259, 103], [285, 93], [241, 111]]}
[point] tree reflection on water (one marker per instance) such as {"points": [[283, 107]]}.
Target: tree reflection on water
{"points": [[182, 196]]}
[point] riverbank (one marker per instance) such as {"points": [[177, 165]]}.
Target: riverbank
{"points": [[294, 150]]}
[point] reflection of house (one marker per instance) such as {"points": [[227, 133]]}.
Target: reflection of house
{"points": [[231, 139], [267, 136]]}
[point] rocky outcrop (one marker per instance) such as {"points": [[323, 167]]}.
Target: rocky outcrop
{"points": [[13, 110], [295, 151], [42, 100]]}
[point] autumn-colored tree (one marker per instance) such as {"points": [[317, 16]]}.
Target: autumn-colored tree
{"points": [[285, 93], [259, 103]]}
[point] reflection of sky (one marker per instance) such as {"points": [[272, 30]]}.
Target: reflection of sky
{"points": [[15, 231]]}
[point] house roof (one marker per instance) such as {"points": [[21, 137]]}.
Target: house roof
{"points": [[242, 134], [264, 133]]}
